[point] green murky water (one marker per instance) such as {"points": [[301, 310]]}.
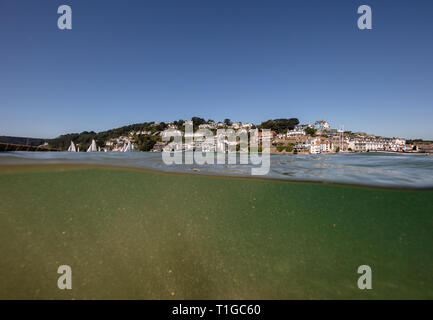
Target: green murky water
{"points": [[133, 234]]}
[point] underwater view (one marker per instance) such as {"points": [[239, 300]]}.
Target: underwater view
{"points": [[136, 233]]}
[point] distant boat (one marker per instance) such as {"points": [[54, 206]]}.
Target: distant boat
{"points": [[128, 148], [72, 147], [92, 147]]}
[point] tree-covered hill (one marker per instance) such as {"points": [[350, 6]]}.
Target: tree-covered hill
{"points": [[280, 125], [23, 140], [84, 138], [146, 142]]}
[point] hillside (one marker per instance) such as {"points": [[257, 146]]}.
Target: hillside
{"points": [[23, 140]]}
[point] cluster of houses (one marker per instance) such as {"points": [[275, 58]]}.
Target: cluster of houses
{"points": [[209, 125], [121, 144], [192, 141], [219, 142], [343, 143], [323, 140], [328, 140], [220, 125]]}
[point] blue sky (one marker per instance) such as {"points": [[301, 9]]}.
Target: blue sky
{"points": [[125, 62]]}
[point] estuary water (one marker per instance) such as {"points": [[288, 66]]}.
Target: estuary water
{"points": [[371, 169], [142, 234]]}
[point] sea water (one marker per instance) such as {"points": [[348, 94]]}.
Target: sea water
{"points": [[130, 233], [373, 168]]}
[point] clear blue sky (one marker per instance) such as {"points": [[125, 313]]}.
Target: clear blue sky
{"points": [[125, 62]]}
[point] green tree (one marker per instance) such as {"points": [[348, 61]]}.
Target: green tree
{"points": [[146, 143], [179, 123], [311, 131], [290, 147], [196, 121], [280, 147], [280, 125]]}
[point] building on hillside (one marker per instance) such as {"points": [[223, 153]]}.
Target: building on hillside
{"points": [[247, 126], [320, 145], [209, 126], [322, 125], [297, 131], [159, 146], [315, 146], [236, 125]]}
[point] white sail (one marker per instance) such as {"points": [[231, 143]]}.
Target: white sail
{"points": [[72, 147], [128, 148], [92, 147]]}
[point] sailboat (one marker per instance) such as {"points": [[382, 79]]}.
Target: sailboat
{"points": [[129, 147], [92, 147], [72, 147]]}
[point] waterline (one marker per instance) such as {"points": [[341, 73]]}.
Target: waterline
{"points": [[371, 169]]}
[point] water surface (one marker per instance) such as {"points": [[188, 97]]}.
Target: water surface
{"points": [[373, 169]]}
